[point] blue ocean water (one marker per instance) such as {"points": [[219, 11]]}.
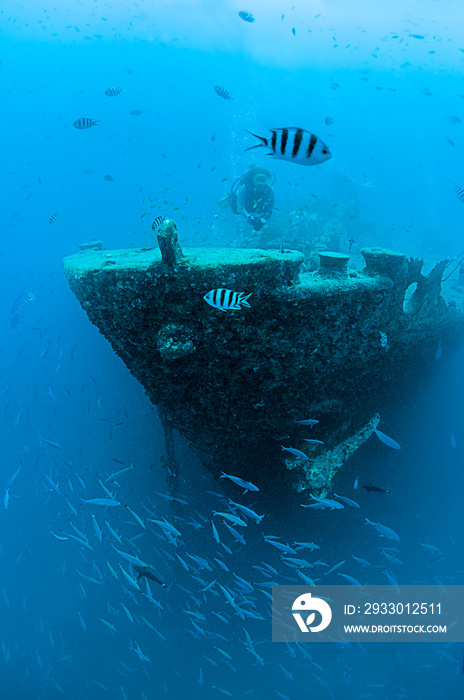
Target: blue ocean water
{"points": [[382, 86]]}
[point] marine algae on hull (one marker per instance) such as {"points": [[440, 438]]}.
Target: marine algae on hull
{"points": [[235, 383]]}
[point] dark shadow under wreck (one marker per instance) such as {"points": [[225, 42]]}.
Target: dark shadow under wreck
{"points": [[234, 383]]}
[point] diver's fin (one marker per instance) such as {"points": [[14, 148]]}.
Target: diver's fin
{"points": [[224, 202]]}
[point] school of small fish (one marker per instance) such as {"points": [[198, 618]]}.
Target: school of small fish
{"points": [[151, 563]]}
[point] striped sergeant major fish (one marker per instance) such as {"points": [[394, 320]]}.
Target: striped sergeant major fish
{"points": [[383, 339], [85, 123], [246, 16], [227, 300], [53, 218], [294, 145], [459, 193], [113, 91], [222, 92], [157, 222]]}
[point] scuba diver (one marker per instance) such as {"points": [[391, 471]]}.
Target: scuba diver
{"points": [[252, 197]]}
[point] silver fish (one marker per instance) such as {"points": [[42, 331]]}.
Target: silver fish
{"points": [[307, 579], [297, 453], [101, 502], [234, 533], [392, 558], [247, 485], [128, 613], [226, 299], [51, 483], [115, 475], [283, 547], [348, 501], [385, 439], [137, 518], [200, 561], [335, 567], [323, 503], [300, 563], [215, 532], [130, 557], [384, 531], [248, 511], [362, 561], [232, 518], [306, 545], [350, 579], [294, 145], [166, 527], [13, 476], [130, 579], [107, 624], [113, 532], [392, 580], [98, 532], [52, 444]]}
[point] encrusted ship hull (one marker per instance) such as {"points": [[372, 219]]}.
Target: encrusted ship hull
{"points": [[234, 383]]}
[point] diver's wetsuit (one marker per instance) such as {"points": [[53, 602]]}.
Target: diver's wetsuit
{"points": [[255, 202]]}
